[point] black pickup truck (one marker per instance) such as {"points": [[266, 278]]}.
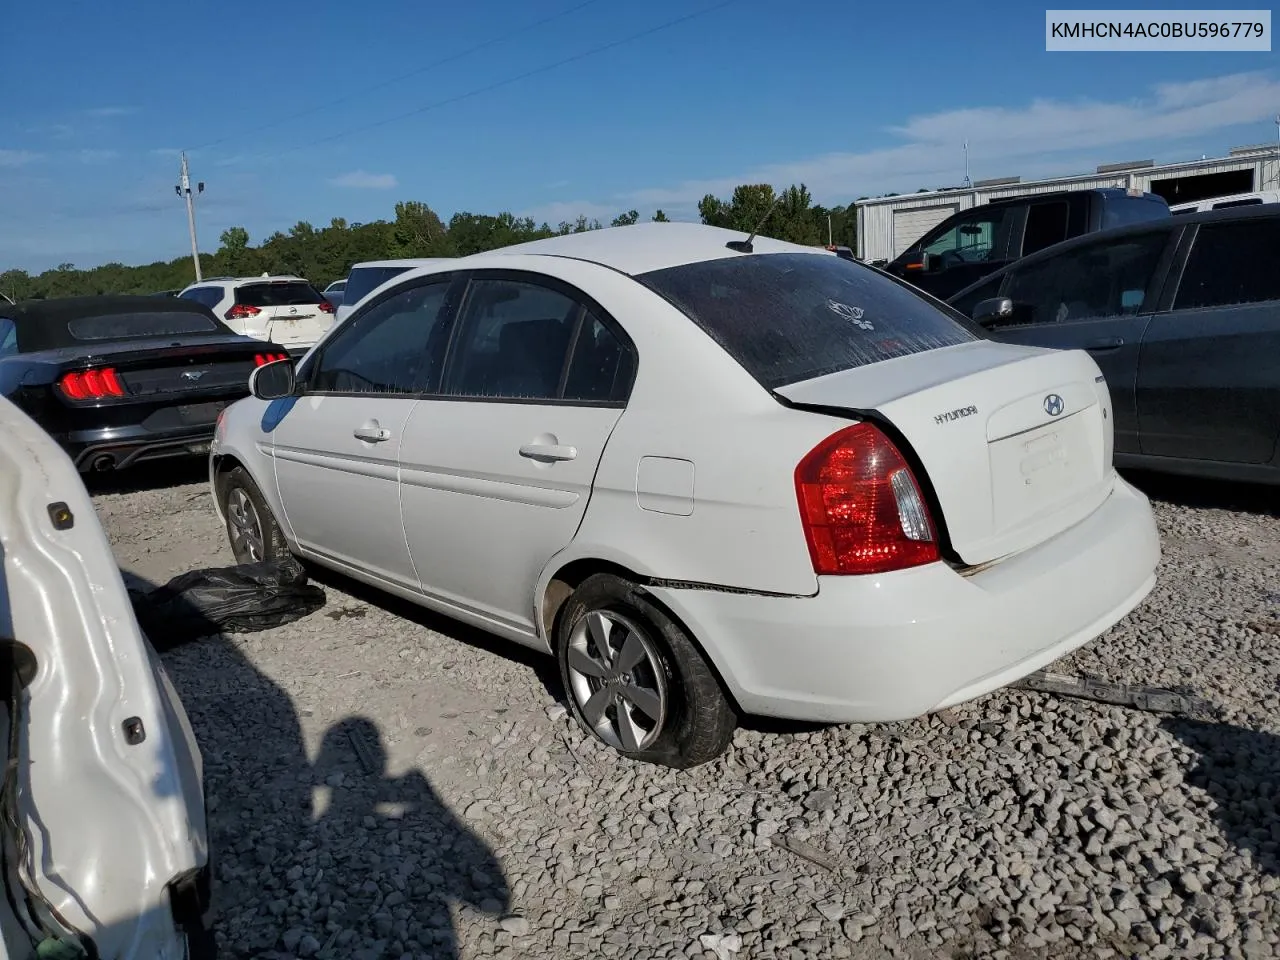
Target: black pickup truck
{"points": [[972, 243]]}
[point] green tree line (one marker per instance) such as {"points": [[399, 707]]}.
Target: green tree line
{"points": [[324, 254]]}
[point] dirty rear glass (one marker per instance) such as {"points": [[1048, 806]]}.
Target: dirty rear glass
{"points": [[127, 326], [788, 317]]}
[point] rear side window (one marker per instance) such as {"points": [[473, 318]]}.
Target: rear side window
{"points": [[1232, 263], [209, 296], [127, 326], [364, 279], [285, 293], [788, 317], [1046, 225]]}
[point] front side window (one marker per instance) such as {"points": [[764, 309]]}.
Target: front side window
{"points": [[1098, 280], [363, 280], [395, 347], [974, 239], [514, 340], [788, 317], [1232, 263], [984, 291]]}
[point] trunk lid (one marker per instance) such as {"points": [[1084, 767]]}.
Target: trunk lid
{"points": [[290, 311], [1015, 441], [193, 367]]}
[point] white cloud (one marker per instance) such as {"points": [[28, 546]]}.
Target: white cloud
{"points": [[1008, 140], [98, 156], [104, 112], [568, 211], [18, 158], [360, 180]]}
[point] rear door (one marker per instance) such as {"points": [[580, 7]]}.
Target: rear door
{"points": [[496, 470], [1208, 383], [1097, 297], [336, 444], [292, 313]]}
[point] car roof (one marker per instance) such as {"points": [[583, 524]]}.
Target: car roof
{"points": [[209, 281], [1261, 211], [641, 247], [410, 261]]}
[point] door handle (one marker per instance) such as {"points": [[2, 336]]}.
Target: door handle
{"points": [[548, 451], [372, 432], [1105, 343]]}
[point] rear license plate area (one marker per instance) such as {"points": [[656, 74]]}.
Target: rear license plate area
{"points": [[200, 413]]}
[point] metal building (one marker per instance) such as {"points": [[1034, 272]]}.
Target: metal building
{"points": [[888, 225]]}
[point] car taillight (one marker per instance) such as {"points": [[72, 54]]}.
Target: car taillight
{"points": [[241, 311], [325, 306], [97, 384], [262, 359], [861, 506]]}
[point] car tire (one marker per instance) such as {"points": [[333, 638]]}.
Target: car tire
{"points": [[651, 695], [252, 530]]}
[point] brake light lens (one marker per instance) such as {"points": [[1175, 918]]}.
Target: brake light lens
{"points": [[262, 359], [100, 383], [242, 311], [325, 306], [861, 506]]}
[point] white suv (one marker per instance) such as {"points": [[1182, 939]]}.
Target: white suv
{"points": [[366, 277], [284, 310]]}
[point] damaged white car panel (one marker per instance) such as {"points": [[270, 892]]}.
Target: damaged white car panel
{"points": [[102, 811]]}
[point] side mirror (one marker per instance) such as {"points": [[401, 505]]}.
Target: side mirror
{"points": [[991, 311], [271, 381]]}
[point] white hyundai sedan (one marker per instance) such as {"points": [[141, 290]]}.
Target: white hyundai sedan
{"points": [[710, 477]]}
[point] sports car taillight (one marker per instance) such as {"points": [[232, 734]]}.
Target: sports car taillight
{"points": [[261, 359], [242, 311], [861, 506], [97, 384]]}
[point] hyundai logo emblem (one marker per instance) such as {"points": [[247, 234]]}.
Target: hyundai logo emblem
{"points": [[1054, 405]]}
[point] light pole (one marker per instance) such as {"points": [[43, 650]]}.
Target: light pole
{"points": [[183, 189]]}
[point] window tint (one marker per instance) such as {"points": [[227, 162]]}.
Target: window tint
{"points": [[977, 237], [788, 317], [1237, 203], [1099, 280], [1046, 225], [395, 347], [127, 326], [514, 341], [283, 293], [600, 368], [1118, 211], [984, 291], [8, 337], [1232, 263], [209, 296], [365, 279]]}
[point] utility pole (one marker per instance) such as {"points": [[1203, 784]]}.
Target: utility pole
{"points": [[183, 189]]}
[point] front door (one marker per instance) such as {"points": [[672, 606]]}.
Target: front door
{"points": [[336, 446], [497, 470], [1097, 298]]}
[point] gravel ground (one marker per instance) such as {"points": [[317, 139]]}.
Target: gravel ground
{"points": [[385, 783]]}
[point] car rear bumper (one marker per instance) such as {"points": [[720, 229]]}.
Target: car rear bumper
{"points": [[113, 448], [893, 647]]}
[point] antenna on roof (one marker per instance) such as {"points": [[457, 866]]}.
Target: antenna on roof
{"points": [[744, 246]]}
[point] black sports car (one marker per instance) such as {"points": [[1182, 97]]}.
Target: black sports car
{"points": [[121, 379]]}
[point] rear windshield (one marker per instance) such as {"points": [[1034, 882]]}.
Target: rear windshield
{"points": [[1118, 211], [364, 279], [127, 326], [788, 317], [283, 293]]}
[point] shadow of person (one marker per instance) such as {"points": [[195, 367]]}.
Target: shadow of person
{"points": [[418, 858], [1240, 770]]}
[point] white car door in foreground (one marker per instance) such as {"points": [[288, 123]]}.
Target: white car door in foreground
{"points": [[104, 818]]}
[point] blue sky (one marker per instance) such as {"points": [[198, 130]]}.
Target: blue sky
{"points": [[851, 98]]}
